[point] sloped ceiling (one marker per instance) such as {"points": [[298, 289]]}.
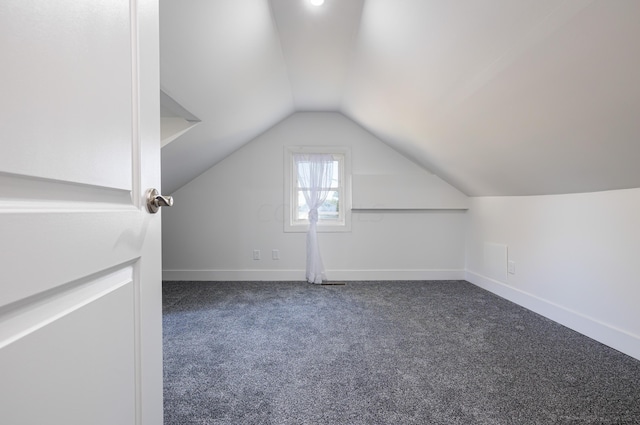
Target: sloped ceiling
{"points": [[497, 97]]}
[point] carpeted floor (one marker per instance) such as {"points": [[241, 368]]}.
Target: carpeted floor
{"points": [[381, 353]]}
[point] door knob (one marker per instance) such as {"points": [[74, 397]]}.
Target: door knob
{"points": [[155, 201]]}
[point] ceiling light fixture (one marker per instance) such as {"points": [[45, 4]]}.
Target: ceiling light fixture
{"points": [[317, 2]]}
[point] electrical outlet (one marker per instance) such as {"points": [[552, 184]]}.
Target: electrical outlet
{"points": [[256, 254], [275, 254], [511, 267]]}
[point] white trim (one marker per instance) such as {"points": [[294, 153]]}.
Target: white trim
{"points": [[391, 274], [618, 339], [299, 275], [234, 275]]}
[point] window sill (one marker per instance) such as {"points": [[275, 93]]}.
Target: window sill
{"points": [[321, 228]]}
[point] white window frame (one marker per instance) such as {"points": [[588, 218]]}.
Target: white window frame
{"points": [[291, 224]]}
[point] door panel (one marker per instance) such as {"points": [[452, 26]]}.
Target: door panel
{"points": [[58, 246], [60, 58], [73, 362], [80, 290]]}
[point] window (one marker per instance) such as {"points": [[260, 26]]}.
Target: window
{"points": [[334, 214]]}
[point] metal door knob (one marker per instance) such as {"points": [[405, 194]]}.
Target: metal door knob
{"points": [[155, 201]]}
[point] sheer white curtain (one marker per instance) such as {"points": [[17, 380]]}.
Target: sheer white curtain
{"points": [[315, 172]]}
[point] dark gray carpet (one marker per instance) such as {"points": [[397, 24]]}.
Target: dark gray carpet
{"points": [[381, 353]]}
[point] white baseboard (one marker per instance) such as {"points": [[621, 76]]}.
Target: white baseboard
{"points": [[618, 339], [233, 275], [395, 274], [298, 275]]}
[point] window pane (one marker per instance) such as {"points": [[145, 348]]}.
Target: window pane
{"points": [[302, 211], [303, 168], [329, 210], [335, 179]]}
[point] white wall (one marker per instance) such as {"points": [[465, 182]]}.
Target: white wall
{"points": [[576, 259], [237, 206], [575, 255]]}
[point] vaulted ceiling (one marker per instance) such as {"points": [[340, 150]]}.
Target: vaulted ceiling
{"points": [[497, 97]]}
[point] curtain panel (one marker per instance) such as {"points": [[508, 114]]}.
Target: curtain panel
{"points": [[314, 172]]}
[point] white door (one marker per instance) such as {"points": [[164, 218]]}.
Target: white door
{"points": [[80, 283]]}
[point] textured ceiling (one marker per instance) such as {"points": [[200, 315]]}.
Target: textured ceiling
{"points": [[498, 97]]}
